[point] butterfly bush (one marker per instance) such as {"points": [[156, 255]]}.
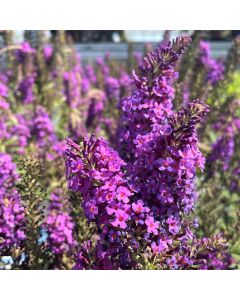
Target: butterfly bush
{"points": [[223, 148], [203, 77], [72, 88], [24, 52], [139, 201], [214, 68], [22, 133], [25, 89], [111, 167], [48, 53], [11, 210], [42, 127], [59, 225]]}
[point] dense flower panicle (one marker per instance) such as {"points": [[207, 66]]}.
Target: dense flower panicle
{"points": [[143, 201], [82, 258], [151, 101], [164, 143], [94, 169], [164, 171], [125, 84], [102, 65], [48, 53], [72, 88], [115, 86], [90, 74], [112, 88], [213, 253], [12, 220], [4, 105], [8, 173], [24, 51], [106, 161], [59, 225], [138, 58], [42, 127], [217, 261], [25, 89], [85, 86], [204, 254], [14, 129], [215, 69], [4, 130], [21, 132], [95, 118], [57, 150], [223, 147]]}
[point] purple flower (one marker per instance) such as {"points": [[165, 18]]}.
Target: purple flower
{"points": [[112, 88], [91, 210], [157, 163], [4, 105], [121, 218], [159, 247], [20, 131], [166, 164], [123, 193], [3, 90], [8, 173], [72, 88], [138, 207], [83, 256], [47, 52], [12, 220], [110, 185], [24, 51], [173, 225], [223, 147], [214, 68], [59, 225], [152, 225], [76, 165], [112, 207], [12, 216], [25, 89], [42, 128]]}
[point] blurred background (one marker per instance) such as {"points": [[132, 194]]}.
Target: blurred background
{"points": [[120, 44]]}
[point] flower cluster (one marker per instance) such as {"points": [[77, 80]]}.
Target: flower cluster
{"points": [[139, 204], [214, 68], [42, 128], [48, 53], [23, 53], [8, 174], [106, 196], [223, 148], [72, 88], [59, 225], [25, 89], [11, 211], [21, 133], [151, 101]]}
